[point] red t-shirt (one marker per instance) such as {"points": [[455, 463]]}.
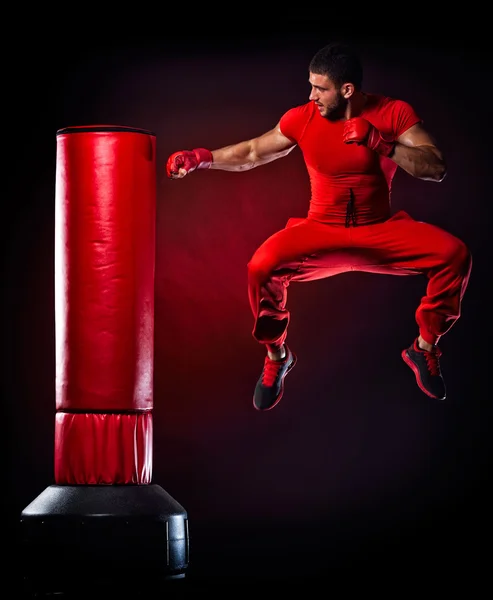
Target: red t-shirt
{"points": [[342, 172]]}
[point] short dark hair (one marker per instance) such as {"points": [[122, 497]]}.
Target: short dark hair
{"points": [[340, 63]]}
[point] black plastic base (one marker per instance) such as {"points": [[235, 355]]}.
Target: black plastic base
{"points": [[89, 536]]}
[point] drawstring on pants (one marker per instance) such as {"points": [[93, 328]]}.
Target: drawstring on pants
{"points": [[350, 214]]}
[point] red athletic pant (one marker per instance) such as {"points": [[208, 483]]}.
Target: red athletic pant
{"points": [[306, 250]]}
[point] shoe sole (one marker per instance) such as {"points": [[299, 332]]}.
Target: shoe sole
{"points": [[410, 363], [282, 388]]}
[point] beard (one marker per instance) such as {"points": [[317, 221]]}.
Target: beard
{"points": [[336, 111]]}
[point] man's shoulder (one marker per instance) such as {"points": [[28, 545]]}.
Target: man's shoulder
{"points": [[390, 115], [295, 120], [382, 103]]}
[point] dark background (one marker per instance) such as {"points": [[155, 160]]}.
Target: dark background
{"points": [[356, 467]]}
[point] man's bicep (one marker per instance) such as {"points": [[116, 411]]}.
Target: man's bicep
{"points": [[273, 143]]}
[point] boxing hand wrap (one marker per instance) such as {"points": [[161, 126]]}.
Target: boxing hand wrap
{"points": [[190, 160], [360, 131]]}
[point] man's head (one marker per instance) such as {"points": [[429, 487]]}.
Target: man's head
{"points": [[335, 73]]}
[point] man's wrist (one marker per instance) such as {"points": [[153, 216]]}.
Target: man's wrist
{"points": [[385, 148], [204, 158]]}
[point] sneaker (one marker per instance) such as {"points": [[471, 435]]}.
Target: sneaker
{"points": [[270, 386], [426, 367]]}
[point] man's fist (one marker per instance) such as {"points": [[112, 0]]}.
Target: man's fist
{"points": [[185, 161], [360, 131]]}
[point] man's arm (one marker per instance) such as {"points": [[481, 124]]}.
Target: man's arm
{"points": [[414, 151], [417, 153], [242, 156], [252, 153]]}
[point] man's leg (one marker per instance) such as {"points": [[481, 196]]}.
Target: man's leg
{"points": [[402, 245], [303, 251]]}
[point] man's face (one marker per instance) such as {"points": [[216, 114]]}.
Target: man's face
{"points": [[327, 97]]}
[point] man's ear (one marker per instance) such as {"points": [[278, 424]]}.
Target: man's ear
{"points": [[347, 90]]}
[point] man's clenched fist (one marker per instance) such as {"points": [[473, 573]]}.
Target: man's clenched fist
{"points": [[183, 162], [360, 131]]}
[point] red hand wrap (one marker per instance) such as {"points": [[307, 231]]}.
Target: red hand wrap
{"points": [[360, 131], [378, 143], [204, 158]]}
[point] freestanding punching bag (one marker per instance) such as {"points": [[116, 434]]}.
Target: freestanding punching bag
{"points": [[103, 519]]}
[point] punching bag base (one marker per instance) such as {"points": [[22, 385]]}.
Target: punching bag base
{"points": [[94, 536]]}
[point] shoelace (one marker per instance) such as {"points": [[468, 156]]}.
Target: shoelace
{"points": [[432, 361], [271, 371], [350, 214]]}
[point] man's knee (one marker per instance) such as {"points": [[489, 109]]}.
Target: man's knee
{"points": [[260, 267], [461, 258], [455, 255]]}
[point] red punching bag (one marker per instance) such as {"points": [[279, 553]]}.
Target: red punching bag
{"points": [[102, 494], [104, 305]]}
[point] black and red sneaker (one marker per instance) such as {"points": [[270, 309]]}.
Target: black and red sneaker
{"points": [[270, 386], [426, 367]]}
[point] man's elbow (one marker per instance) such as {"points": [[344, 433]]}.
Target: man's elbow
{"points": [[440, 172]]}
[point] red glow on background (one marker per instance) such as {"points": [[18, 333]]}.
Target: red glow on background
{"points": [[353, 435]]}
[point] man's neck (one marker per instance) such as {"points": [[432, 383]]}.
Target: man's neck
{"points": [[355, 105]]}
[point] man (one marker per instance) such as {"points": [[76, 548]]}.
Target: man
{"points": [[352, 143]]}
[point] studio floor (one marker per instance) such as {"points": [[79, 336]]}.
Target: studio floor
{"points": [[291, 557]]}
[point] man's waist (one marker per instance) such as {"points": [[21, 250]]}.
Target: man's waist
{"points": [[337, 190], [349, 210]]}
